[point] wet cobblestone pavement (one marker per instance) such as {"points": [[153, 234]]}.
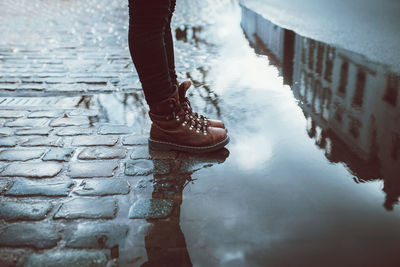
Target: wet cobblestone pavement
{"points": [[302, 183]]}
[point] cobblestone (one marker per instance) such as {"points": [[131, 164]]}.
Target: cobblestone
{"points": [[49, 188], [34, 131], [4, 185], [101, 235], [12, 113], [135, 140], [8, 141], [95, 140], [11, 210], [103, 187], [151, 208], [58, 154], [27, 123], [72, 131], [92, 169], [67, 258], [140, 152], [139, 167], [83, 112], [87, 208], [115, 129], [52, 141], [73, 121], [21, 154], [29, 235], [6, 131], [12, 257], [102, 153], [32, 170], [46, 114]]}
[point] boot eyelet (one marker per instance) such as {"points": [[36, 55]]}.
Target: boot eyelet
{"points": [[205, 133], [197, 131], [184, 123], [191, 128]]}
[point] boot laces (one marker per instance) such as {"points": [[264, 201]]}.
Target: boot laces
{"points": [[188, 110], [195, 122]]}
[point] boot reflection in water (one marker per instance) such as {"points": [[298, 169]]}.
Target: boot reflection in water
{"points": [[165, 242], [175, 126]]}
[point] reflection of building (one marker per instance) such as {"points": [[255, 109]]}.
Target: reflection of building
{"points": [[352, 104], [267, 38]]}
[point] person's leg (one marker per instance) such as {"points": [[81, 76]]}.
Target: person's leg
{"points": [[147, 25], [169, 45], [172, 127]]}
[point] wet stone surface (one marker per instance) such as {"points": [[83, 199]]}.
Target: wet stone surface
{"points": [[4, 131], [73, 130], [27, 123], [87, 208], [151, 208], [12, 257], [58, 154], [8, 141], [12, 113], [161, 166], [140, 152], [101, 235], [134, 140], [99, 140], [103, 187], [114, 129], [92, 169], [21, 154], [53, 141], [32, 170], [66, 258], [11, 210], [4, 185], [139, 167], [144, 186], [83, 112], [102, 153], [74, 121], [50, 188], [46, 114], [34, 131], [29, 235]]}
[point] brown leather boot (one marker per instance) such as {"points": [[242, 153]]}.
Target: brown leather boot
{"points": [[182, 88], [174, 129]]}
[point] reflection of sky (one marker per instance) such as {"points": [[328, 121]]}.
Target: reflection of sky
{"points": [[276, 200]]}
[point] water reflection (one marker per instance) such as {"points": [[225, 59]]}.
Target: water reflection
{"points": [[190, 34], [350, 103], [165, 242]]}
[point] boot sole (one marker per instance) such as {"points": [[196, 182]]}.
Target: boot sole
{"points": [[160, 145]]}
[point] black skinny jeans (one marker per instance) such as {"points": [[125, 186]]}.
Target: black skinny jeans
{"points": [[151, 46]]}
